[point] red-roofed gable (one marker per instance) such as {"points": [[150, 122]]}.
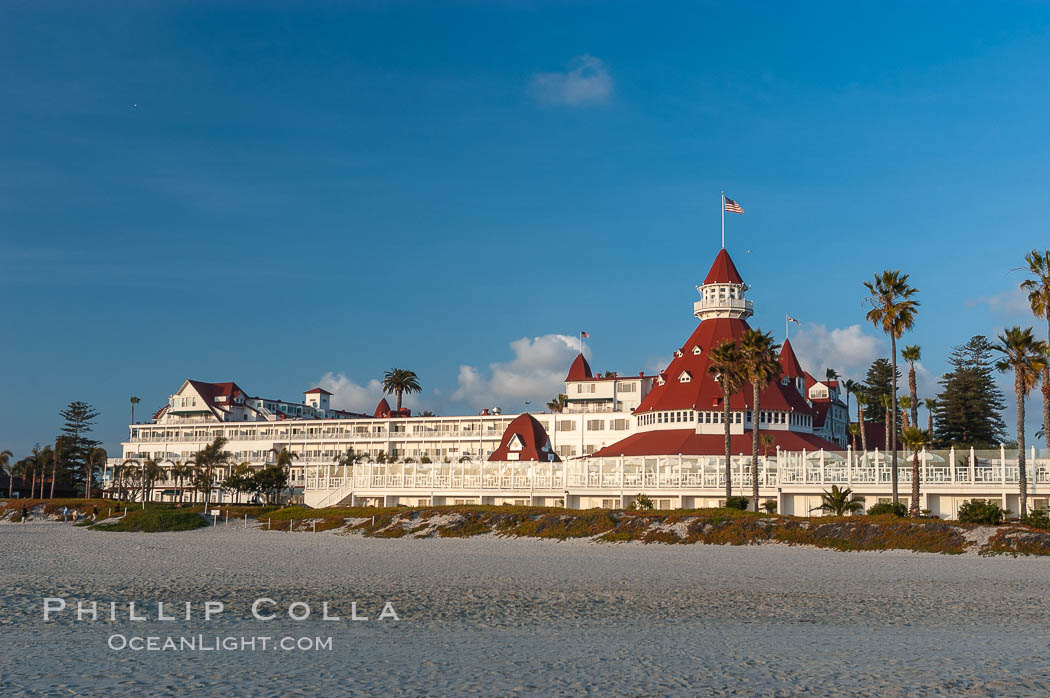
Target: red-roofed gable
{"points": [[383, 408], [789, 365], [318, 390], [580, 369], [723, 271], [670, 442], [525, 439]]}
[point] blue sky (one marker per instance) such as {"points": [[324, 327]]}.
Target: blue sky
{"points": [[281, 195]]}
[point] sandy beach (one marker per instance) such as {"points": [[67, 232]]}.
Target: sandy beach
{"points": [[491, 616]]}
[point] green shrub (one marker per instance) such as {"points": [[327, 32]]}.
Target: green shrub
{"points": [[895, 508], [770, 505], [1037, 519], [978, 512], [155, 521], [643, 502], [740, 503]]}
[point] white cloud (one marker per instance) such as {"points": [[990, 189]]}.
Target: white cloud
{"points": [[587, 81], [536, 373], [1011, 303], [354, 397], [848, 350], [351, 396]]}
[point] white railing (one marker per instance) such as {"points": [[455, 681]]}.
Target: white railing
{"points": [[803, 469]]}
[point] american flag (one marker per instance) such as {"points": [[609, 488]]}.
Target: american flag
{"points": [[791, 319], [730, 205], [585, 335]]}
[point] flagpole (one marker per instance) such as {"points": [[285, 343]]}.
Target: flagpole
{"points": [[723, 220]]}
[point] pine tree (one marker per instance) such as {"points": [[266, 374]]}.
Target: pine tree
{"points": [[970, 406], [80, 418], [878, 387]]}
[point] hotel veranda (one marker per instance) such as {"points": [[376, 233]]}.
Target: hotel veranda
{"points": [[617, 437]]}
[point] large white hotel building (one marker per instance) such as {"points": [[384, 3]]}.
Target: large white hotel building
{"points": [[618, 436]]}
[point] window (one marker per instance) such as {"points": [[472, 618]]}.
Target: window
{"points": [[620, 424], [663, 503], [628, 387], [685, 377], [566, 425], [697, 350], [595, 425], [609, 504]]}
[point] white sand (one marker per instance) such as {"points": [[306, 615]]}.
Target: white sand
{"points": [[524, 617]]}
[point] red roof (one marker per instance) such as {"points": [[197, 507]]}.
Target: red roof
{"points": [[669, 442], [723, 271], [383, 408], [318, 390], [789, 365], [580, 369], [526, 437], [702, 392]]}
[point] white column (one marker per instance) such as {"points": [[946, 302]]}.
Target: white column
{"points": [[973, 466], [951, 461], [849, 466], [1002, 464]]}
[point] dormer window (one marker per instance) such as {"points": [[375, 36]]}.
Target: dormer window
{"points": [[678, 353], [660, 379], [516, 444], [697, 350], [685, 377]]}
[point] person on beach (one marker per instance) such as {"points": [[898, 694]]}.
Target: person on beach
{"points": [[94, 513], [25, 513], [65, 512], [76, 514]]}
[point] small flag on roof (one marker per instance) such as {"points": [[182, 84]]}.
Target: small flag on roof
{"points": [[585, 335], [794, 320]]}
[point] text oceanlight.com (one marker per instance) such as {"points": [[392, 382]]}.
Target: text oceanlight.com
{"points": [[229, 643]]}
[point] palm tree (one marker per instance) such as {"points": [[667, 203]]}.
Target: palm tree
{"points": [[56, 456], [849, 386], [931, 405], [5, 464], [893, 311], [887, 401], [151, 472], [767, 443], [911, 354], [205, 462], [758, 366], [840, 501], [907, 407], [123, 473], [96, 457], [180, 472], [725, 367], [1038, 289], [559, 403], [134, 401], [284, 462], [831, 374], [853, 430], [914, 439], [861, 392], [1027, 356], [36, 463], [399, 381]]}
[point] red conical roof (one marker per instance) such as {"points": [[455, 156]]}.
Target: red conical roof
{"points": [[789, 365], [723, 271], [526, 438], [579, 370], [383, 408], [689, 386]]}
